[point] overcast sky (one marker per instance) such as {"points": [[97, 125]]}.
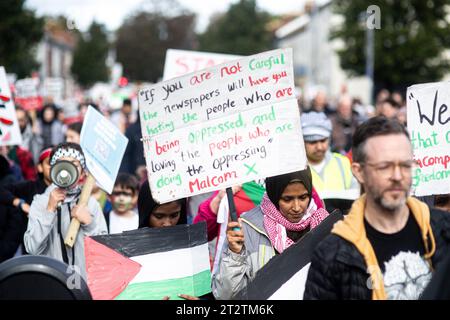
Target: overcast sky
{"points": [[112, 12]]}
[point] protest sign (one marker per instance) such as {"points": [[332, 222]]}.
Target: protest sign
{"points": [[181, 62], [222, 126], [428, 117], [284, 276], [149, 263], [9, 127], [27, 94], [53, 88], [103, 145]]}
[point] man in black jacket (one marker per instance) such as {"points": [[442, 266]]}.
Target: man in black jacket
{"points": [[389, 244]]}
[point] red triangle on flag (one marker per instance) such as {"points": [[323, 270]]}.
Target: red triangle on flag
{"points": [[108, 272]]}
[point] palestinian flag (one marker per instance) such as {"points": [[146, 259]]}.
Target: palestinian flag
{"points": [[284, 276], [248, 197], [149, 263]]}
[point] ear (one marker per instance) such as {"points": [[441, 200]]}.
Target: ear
{"points": [[358, 172], [40, 168]]}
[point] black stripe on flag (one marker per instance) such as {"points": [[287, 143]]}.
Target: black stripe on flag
{"points": [[283, 267], [152, 240]]}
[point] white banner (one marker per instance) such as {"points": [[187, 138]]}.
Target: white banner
{"points": [[9, 127], [181, 62], [428, 115], [54, 88], [222, 126]]}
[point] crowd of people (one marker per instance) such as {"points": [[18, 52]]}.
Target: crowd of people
{"points": [[349, 147]]}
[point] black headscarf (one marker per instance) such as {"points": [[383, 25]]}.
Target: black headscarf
{"points": [[276, 185], [146, 205]]}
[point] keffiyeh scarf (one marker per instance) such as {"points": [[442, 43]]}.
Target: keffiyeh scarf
{"points": [[276, 224]]}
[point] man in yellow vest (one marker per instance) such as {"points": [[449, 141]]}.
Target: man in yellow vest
{"points": [[389, 243], [331, 172]]}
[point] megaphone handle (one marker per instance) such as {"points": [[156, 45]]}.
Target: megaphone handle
{"points": [[84, 198]]}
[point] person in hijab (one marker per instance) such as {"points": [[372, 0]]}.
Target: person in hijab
{"points": [[285, 215], [154, 215]]}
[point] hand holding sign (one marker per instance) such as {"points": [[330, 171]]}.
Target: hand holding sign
{"points": [[235, 236]]}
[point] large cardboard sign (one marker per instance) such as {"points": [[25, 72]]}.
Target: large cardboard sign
{"points": [[428, 115], [222, 126], [9, 127], [181, 62], [103, 145]]}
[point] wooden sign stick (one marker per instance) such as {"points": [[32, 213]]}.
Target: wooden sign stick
{"points": [[75, 224]]}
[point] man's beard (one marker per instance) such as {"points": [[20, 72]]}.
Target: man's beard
{"points": [[389, 204]]}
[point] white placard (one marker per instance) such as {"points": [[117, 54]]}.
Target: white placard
{"points": [[181, 62], [54, 88], [222, 126], [428, 115], [9, 128], [27, 94], [103, 145]]}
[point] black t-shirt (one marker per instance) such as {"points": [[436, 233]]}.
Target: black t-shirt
{"points": [[400, 257]]}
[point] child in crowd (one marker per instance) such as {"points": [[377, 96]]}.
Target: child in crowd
{"points": [[154, 215], [51, 213], [124, 215]]}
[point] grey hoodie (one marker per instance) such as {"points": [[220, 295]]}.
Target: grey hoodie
{"points": [[42, 238]]}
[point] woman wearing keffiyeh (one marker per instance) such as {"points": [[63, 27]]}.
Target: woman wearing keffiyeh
{"points": [[287, 212]]}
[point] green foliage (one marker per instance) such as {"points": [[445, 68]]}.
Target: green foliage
{"points": [[241, 30], [89, 61], [20, 31], [143, 39], [409, 46]]}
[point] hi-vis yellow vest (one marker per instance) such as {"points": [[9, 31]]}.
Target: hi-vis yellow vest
{"points": [[335, 176]]}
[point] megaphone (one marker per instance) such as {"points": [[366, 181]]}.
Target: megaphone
{"points": [[64, 174]]}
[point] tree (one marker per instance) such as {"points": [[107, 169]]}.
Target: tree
{"points": [[241, 30], [20, 31], [409, 46], [144, 37], [89, 60]]}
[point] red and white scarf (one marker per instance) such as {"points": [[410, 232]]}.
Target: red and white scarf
{"points": [[276, 224]]}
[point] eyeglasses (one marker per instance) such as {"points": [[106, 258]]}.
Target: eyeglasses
{"points": [[388, 168]]}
